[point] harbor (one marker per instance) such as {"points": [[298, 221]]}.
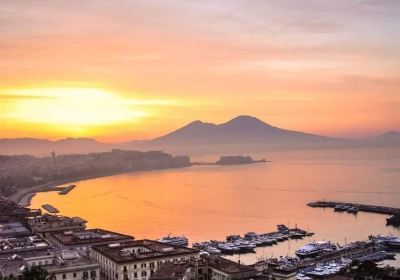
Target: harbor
{"points": [[315, 260], [236, 244], [330, 261]]}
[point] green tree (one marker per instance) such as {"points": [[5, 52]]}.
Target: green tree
{"points": [[31, 273], [34, 273]]}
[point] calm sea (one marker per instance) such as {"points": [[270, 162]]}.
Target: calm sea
{"points": [[211, 202]]}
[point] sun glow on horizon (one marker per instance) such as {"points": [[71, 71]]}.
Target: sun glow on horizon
{"points": [[71, 106]]}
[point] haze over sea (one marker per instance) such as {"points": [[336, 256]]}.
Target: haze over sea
{"points": [[211, 202]]}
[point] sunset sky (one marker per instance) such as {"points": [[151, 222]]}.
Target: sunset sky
{"points": [[123, 70]]}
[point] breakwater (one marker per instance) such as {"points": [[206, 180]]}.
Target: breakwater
{"points": [[360, 207]]}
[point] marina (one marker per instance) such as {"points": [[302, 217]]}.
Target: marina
{"points": [[236, 244], [334, 258]]}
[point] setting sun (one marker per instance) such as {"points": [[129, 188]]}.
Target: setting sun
{"points": [[71, 106]]}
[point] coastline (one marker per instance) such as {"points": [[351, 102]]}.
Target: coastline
{"points": [[23, 197]]}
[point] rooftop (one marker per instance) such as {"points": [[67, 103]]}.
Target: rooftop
{"points": [[171, 271], [67, 260], [14, 229], [129, 251], [26, 243], [13, 264], [229, 266], [90, 236], [56, 218]]}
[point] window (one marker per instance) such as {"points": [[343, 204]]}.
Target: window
{"points": [[144, 273], [93, 273], [64, 276], [143, 265], [85, 275], [74, 275], [135, 275], [152, 264], [125, 268], [134, 266]]}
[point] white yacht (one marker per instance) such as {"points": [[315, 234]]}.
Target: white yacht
{"points": [[175, 240], [315, 248]]}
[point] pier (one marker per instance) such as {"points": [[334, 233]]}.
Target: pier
{"points": [[360, 207], [66, 190], [50, 208]]}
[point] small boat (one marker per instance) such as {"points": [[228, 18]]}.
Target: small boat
{"points": [[353, 210], [231, 238], [339, 208], [250, 236], [394, 220], [282, 228], [295, 235]]}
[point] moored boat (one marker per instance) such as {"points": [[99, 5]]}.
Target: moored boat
{"points": [[175, 240], [315, 248]]}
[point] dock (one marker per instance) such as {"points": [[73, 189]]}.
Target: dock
{"points": [[66, 190], [236, 244], [374, 249], [50, 208], [360, 207]]}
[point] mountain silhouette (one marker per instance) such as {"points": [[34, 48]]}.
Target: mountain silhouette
{"points": [[240, 130], [242, 134]]}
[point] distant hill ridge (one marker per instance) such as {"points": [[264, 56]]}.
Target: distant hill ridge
{"points": [[240, 134], [238, 130]]}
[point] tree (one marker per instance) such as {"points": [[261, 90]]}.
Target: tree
{"points": [[31, 273], [34, 273]]}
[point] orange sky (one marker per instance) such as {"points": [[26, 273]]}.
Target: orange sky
{"points": [[122, 70]]}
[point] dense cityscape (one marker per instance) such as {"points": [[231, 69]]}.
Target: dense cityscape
{"points": [[37, 245], [24, 171]]}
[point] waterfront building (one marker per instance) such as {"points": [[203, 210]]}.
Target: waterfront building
{"points": [[12, 212], [283, 273], [81, 241], [206, 268], [60, 265], [72, 266], [16, 245], [47, 223], [176, 271], [13, 229], [137, 260], [224, 269]]}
